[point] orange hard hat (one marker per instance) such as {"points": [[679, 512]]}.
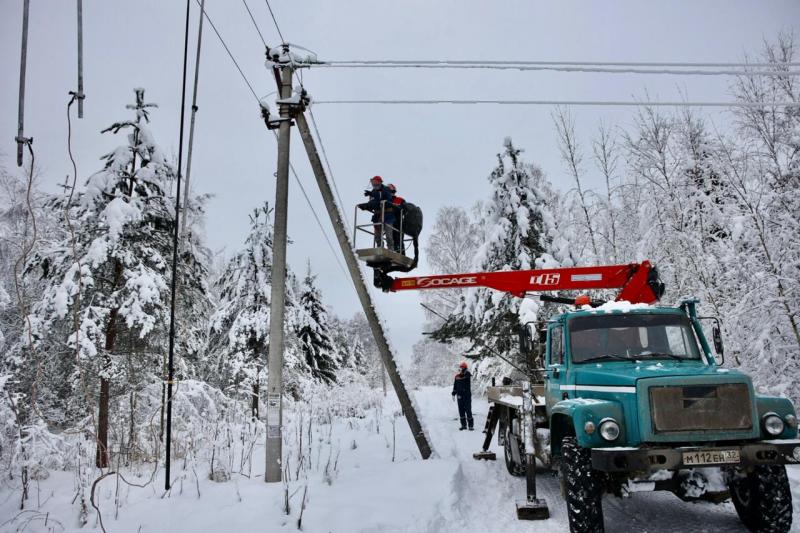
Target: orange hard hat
{"points": [[463, 364]]}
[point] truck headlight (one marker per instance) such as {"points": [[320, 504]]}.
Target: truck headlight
{"points": [[609, 429], [773, 424]]}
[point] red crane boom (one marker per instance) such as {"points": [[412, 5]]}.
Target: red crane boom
{"points": [[638, 282]]}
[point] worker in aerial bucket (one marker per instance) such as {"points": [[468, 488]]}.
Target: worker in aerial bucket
{"points": [[462, 392], [382, 209], [399, 205]]}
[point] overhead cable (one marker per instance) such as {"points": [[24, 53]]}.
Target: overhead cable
{"points": [[619, 103], [650, 64], [274, 20], [255, 23], [230, 55], [554, 68], [327, 164]]}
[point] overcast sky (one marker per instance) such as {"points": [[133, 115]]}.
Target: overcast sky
{"points": [[436, 155]]}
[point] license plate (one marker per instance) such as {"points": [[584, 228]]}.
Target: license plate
{"points": [[711, 457]]}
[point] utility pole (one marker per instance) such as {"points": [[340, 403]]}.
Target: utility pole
{"points": [[79, 95], [361, 288], [184, 225], [278, 295], [23, 60]]}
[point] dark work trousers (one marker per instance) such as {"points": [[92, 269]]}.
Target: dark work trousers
{"points": [[465, 411]]}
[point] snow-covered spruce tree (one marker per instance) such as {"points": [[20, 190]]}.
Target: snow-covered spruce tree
{"points": [[312, 329], [108, 285], [518, 227], [361, 352], [194, 305], [239, 328]]}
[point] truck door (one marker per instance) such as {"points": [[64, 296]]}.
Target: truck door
{"points": [[555, 370]]}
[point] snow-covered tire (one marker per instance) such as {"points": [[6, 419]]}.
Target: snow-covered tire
{"points": [[763, 499], [514, 468], [583, 490]]}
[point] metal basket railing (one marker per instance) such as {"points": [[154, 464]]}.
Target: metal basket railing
{"points": [[377, 231]]}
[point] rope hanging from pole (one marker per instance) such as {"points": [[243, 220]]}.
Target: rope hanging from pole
{"points": [[21, 139], [171, 357]]}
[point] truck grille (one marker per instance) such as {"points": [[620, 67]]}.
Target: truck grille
{"points": [[701, 408]]}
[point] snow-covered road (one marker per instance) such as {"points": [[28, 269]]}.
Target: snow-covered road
{"points": [[352, 485], [484, 493]]}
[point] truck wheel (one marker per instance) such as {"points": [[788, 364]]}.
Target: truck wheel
{"points": [[763, 499], [514, 468], [582, 488]]}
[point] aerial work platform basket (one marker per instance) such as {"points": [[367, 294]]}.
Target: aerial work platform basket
{"points": [[381, 256]]}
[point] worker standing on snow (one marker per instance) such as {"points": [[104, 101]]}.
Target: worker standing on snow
{"points": [[462, 391], [380, 204]]}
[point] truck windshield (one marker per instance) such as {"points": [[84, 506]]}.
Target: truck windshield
{"points": [[631, 336]]}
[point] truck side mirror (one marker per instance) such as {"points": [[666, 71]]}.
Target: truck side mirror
{"points": [[542, 334], [718, 346], [525, 340], [716, 338]]}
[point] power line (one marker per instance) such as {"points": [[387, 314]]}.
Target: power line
{"points": [[224, 45], [649, 64], [619, 103], [254, 23], [255, 96], [275, 21], [316, 217], [579, 69], [327, 163]]}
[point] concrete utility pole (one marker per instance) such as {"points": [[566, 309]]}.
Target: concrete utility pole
{"points": [[23, 60], [361, 288], [278, 302], [186, 191], [80, 96]]}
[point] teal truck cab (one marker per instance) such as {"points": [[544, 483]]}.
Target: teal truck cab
{"points": [[631, 398]]}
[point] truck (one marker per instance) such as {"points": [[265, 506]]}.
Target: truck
{"points": [[626, 396]]}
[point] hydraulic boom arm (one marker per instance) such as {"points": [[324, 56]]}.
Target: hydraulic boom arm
{"points": [[638, 282]]}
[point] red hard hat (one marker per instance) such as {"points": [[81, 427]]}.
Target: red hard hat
{"points": [[463, 364], [377, 178]]}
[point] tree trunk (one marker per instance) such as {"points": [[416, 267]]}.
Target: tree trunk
{"points": [[101, 457]]}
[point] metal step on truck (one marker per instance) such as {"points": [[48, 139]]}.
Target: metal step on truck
{"points": [[626, 396]]}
